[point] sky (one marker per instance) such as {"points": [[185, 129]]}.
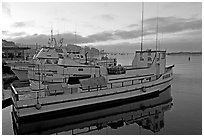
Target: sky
{"points": [[112, 26]]}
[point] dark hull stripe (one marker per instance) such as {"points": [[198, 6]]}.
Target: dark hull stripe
{"points": [[131, 77], [137, 68], [79, 66]]}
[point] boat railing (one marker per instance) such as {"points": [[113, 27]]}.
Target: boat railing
{"points": [[14, 95], [20, 63], [26, 93], [131, 82], [119, 84]]}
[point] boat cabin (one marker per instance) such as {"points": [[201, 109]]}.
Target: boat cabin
{"points": [[150, 59]]}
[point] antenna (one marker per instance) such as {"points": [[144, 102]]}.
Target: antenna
{"points": [[142, 25], [161, 40], [75, 34], [58, 39], [52, 37]]}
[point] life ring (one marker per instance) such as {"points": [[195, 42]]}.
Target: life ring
{"points": [[38, 106], [143, 89]]}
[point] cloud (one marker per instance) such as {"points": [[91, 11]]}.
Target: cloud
{"points": [[6, 9], [123, 47], [63, 19], [122, 34], [132, 25], [21, 24], [102, 36], [173, 24], [176, 29], [42, 39], [13, 34], [4, 32], [105, 17], [180, 44]]}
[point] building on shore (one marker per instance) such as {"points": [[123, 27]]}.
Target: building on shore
{"points": [[10, 51]]}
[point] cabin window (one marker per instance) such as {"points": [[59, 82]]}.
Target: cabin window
{"points": [[149, 53], [61, 56], [80, 69], [149, 59], [163, 55], [49, 74], [37, 73], [141, 58], [158, 57], [54, 72], [48, 61], [55, 61]]}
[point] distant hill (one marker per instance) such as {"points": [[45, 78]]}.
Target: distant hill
{"points": [[6, 43]]}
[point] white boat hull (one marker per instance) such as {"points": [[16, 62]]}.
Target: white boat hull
{"points": [[22, 74], [71, 102]]}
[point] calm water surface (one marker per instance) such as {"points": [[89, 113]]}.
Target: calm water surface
{"points": [[184, 117]]}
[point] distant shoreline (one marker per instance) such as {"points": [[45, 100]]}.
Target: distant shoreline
{"points": [[185, 53]]}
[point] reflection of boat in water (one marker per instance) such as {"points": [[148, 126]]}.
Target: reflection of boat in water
{"points": [[147, 113]]}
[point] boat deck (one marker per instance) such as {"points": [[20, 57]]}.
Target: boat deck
{"points": [[27, 93]]}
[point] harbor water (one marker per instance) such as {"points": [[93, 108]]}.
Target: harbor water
{"points": [[182, 115]]}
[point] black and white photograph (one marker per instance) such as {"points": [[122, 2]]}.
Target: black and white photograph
{"points": [[101, 68]]}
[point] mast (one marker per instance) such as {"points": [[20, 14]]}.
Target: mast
{"points": [[157, 29], [142, 25], [75, 34], [52, 38]]}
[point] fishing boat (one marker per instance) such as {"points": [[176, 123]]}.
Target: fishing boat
{"points": [[52, 54], [146, 76], [54, 64], [39, 99]]}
